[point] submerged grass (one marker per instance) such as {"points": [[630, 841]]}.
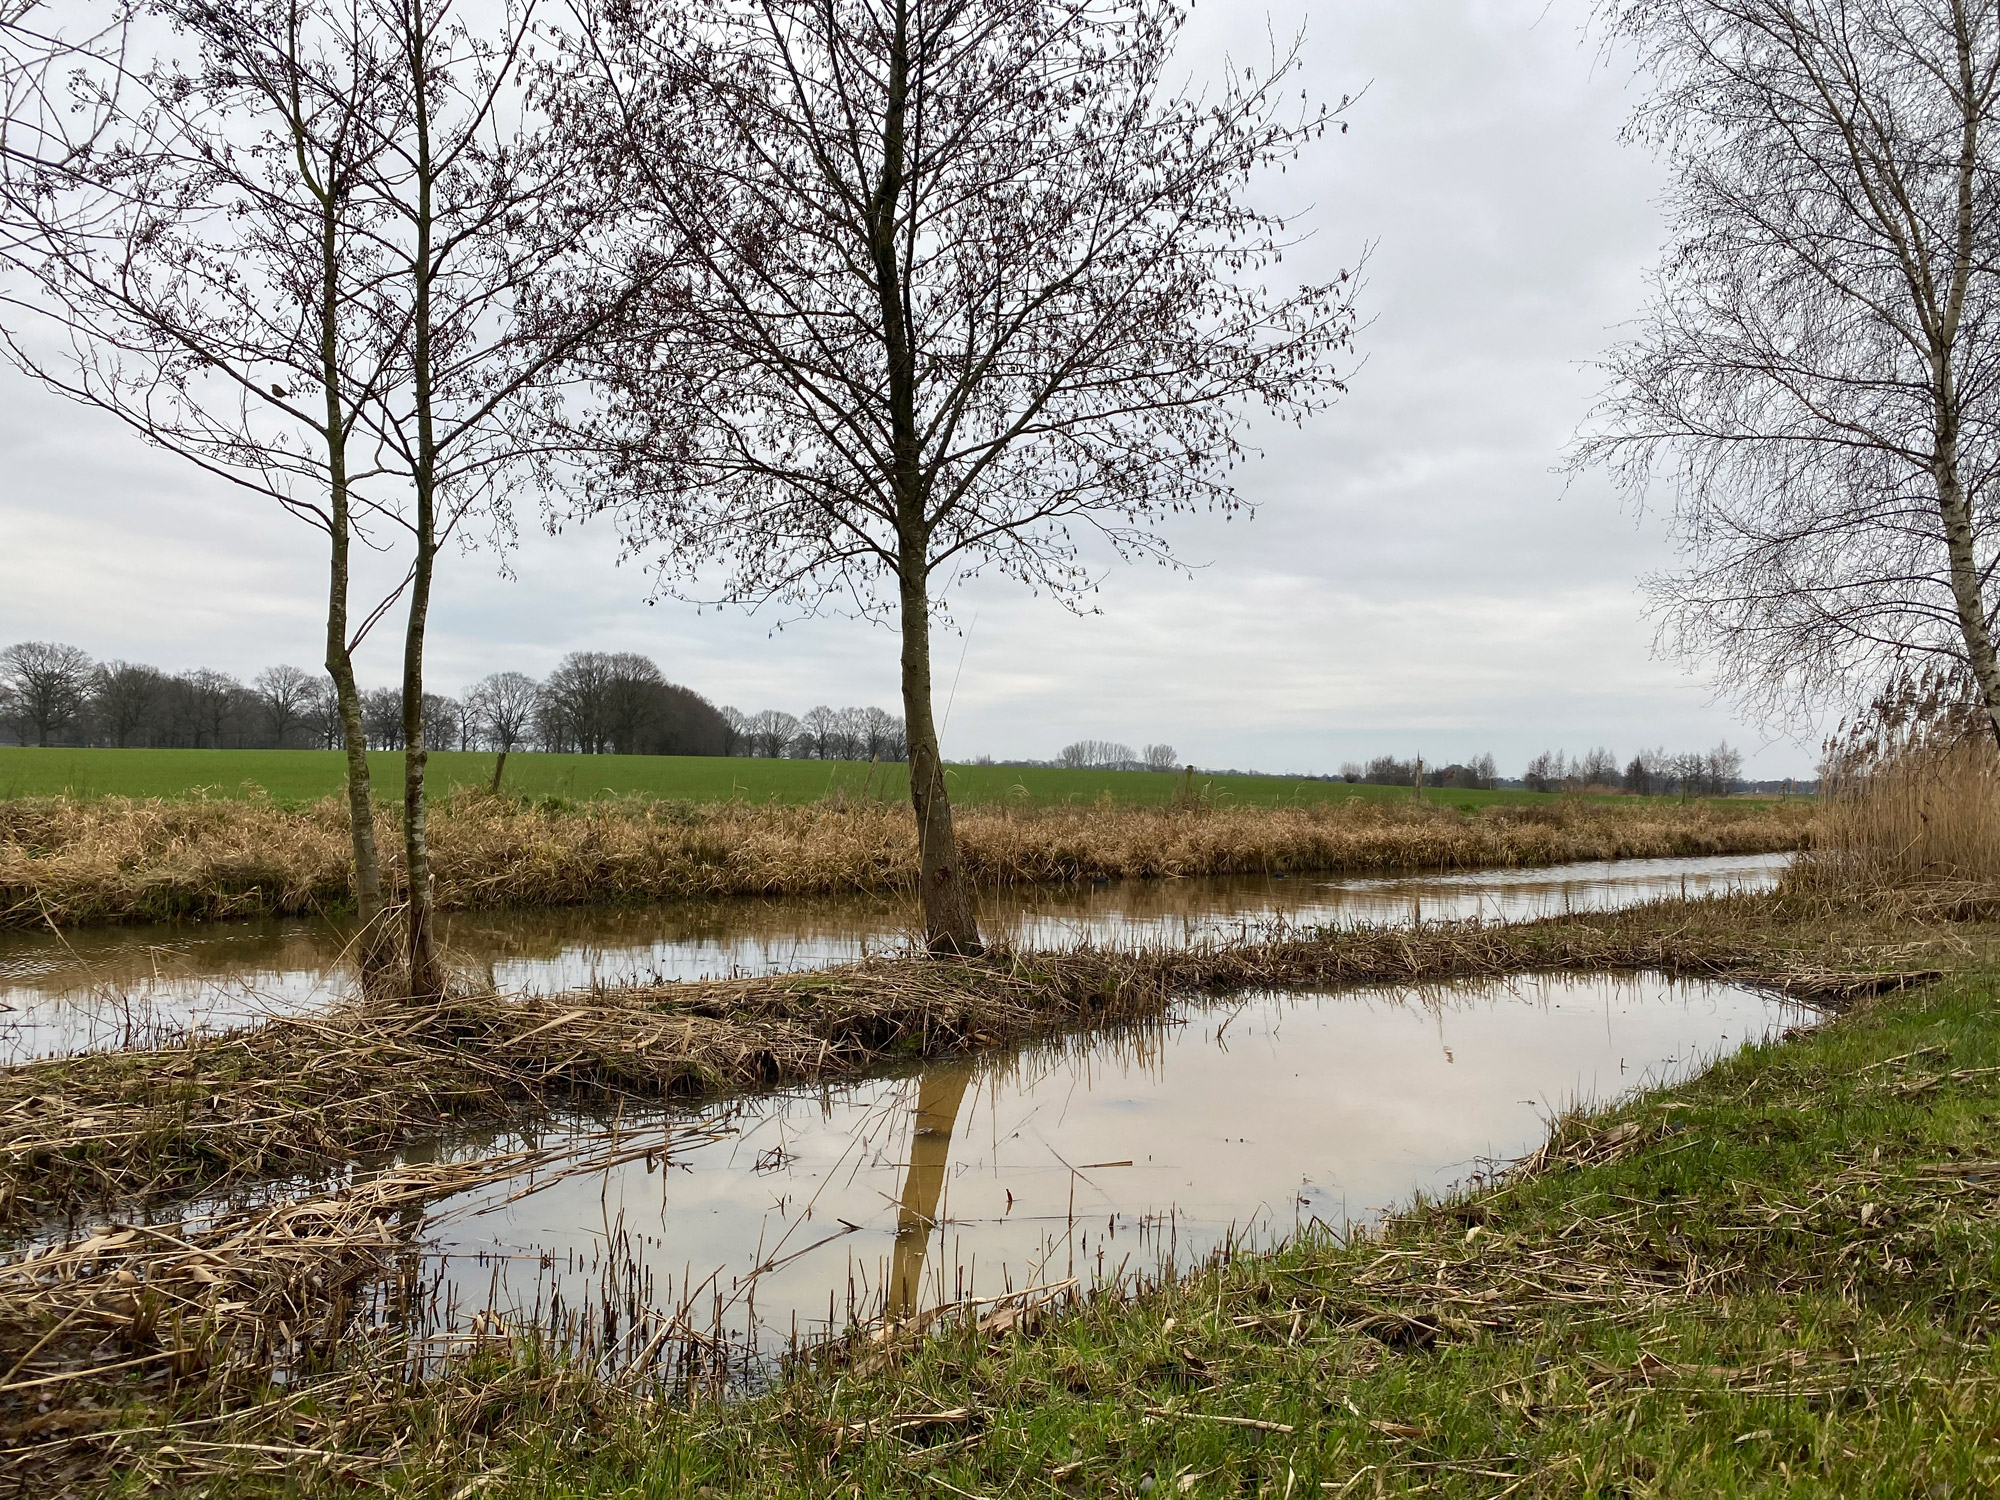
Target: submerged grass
{"points": [[66, 862], [1782, 1276]]}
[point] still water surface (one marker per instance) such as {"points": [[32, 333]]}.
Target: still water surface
{"points": [[110, 987], [1104, 1155]]}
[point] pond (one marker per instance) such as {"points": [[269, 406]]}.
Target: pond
{"points": [[115, 987]]}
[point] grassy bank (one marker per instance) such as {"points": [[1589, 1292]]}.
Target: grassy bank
{"points": [[293, 776], [65, 861], [1780, 1277]]}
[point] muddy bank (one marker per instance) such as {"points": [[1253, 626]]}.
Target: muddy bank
{"points": [[306, 1091], [67, 862]]}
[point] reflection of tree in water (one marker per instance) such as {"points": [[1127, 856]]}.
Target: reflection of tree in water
{"points": [[940, 1092]]}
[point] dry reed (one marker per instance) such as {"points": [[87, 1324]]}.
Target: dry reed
{"points": [[303, 1091], [67, 862], [1926, 815], [276, 1290]]}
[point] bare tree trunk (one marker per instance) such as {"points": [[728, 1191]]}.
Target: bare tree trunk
{"points": [[375, 950], [1953, 506], [950, 923], [1966, 593], [426, 977]]}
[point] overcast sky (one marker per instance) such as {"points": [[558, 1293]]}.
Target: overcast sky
{"points": [[1417, 580]]}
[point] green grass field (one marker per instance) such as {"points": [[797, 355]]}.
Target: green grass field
{"points": [[302, 775]]}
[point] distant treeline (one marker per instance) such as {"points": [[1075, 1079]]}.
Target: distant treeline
{"points": [[594, 703], [1386, 770], [1650, 773]]}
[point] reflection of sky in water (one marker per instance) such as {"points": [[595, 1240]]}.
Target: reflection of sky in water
{"points": [[1084, 1158], [104, 987]]}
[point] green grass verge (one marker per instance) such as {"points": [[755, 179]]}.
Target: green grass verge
{"points": [[292, 776], [1782, 1277]]}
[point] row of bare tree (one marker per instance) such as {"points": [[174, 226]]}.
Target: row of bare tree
{"points": [[1387, 770], [1115, 755], [595, 703], [823, 734], [832, 301], [1650, 773]]}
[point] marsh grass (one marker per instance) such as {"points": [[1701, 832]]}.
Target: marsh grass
{"points": [[66, 862], [1781, 1276]]}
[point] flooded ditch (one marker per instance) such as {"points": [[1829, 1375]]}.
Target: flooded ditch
{"points": [[112, 987], [728, 1235]]}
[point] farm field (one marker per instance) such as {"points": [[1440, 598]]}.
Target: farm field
{"points": [[294, 776]]}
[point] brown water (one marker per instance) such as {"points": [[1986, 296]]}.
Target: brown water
{"points": [[110, 987], [1104, 1157]]}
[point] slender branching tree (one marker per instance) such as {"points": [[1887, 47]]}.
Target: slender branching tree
{"points": [[1819, 375], [488, 254], [206, 272], [968, 282], [328, 254]]}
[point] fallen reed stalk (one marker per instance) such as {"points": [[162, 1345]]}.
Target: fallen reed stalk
{"points": [[226, 1304], [66, 862], [299, 1092]]}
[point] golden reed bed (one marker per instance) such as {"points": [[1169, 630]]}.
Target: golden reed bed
{"points": [[67, 862]]}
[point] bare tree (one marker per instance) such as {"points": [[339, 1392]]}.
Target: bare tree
{"points": [[881, 736], [382, 718], [489, 220], [47, 684], [969, 283], [818, 731], [1161, 757], [444, 720], [1820, 370], [1723, 770], [213, 266], [329, 260], [1546, 772], [287, 694], [503, 706], [321, 718], [124, 697], [735, 733], [1597, 768], [771, 732], [212, 703]]}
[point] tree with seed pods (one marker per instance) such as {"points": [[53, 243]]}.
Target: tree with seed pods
{"points": [[967, 283]]}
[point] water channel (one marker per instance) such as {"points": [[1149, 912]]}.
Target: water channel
{"points": [[1113, 1155], [112, 987]]}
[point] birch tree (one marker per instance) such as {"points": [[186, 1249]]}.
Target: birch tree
{"points": [[1818, 376]]}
